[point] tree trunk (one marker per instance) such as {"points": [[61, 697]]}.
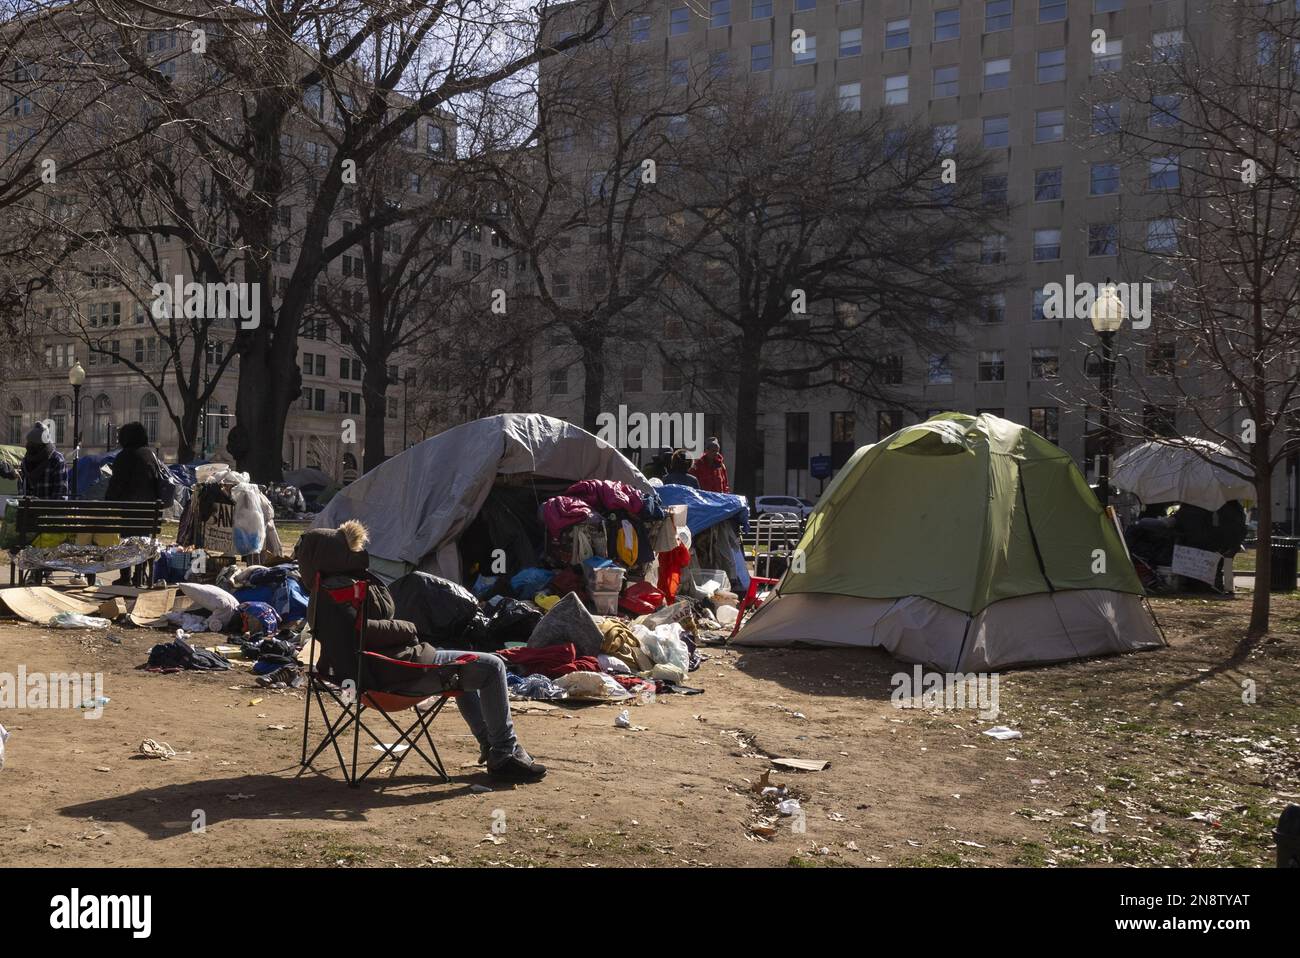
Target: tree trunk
{"points": [[374, 390], [744, 476], [1259, 608], [593, 381], [190, 431], [261, 409]]}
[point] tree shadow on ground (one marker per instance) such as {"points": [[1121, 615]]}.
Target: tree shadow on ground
{"points": [[856, 673], [169, 810]]}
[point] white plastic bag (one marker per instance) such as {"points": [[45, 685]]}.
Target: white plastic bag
{"points": [[592, 685], [664, 645], [250, 524], [75, 620]]}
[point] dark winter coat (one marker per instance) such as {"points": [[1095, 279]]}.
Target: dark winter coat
{"points": [[136, 469]]}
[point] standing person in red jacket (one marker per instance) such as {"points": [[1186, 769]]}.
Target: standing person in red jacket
{"points": [[710, 470]]}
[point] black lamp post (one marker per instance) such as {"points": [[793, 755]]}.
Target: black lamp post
{"points": [[76, 376], [1107, 315]]}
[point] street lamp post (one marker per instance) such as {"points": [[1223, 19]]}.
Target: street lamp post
{"points": [[1107, 315], [76, 377]]}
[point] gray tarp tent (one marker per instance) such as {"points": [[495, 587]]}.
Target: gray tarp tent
{"points": [[417, 504]]}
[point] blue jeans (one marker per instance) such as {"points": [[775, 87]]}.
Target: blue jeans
{"points": [[483, 701]]}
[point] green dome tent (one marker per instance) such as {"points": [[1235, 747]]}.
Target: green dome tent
{"points": [[967, 543]]}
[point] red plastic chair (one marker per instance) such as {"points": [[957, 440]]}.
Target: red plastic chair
{"points": [[354, 699], [751, 600]]}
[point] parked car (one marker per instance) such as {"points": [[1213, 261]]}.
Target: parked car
{"points": [[791, 505]]}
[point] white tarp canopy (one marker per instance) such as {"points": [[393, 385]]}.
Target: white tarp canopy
{"points": [[417, 504], [1191, 470]]}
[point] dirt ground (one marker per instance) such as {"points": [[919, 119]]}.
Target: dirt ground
{"points": [[1168, 746]]}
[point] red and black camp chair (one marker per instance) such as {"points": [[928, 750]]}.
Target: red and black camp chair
{"points": [[344, 608]]}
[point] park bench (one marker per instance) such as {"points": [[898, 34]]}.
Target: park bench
{"points": [[37, 517]]}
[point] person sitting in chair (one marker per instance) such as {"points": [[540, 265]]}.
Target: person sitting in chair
{"points": [[339, 556]]}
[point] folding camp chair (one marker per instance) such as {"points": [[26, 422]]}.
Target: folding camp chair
{"points": [[354, 696], [751, 600]]}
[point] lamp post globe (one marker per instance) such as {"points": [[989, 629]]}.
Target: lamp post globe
{"points": [[1107, 314]]}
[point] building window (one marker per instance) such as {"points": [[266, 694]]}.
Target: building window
{"points": [[1162, 235], [1051, 65], [1044, 362], [1047, 184], [760, 9], [945, 139], [1050, 11], [1046, 421], [993, 249], [947, 24], [1107, 6], [888, 422], [992, 366], [679, 21], [1159, 421], [997, 131], [938, 370], [149, 417], [437, 142], [850, 96], [1164, 173], [800, 5], [677, 71], [945, 82], [719, 64], [997, 15], [997, 74], [994, 190], [632, 379], [1103, 239], [1049, 126], [1103, 179], [672, 378], [808, 53], [1036, 312], [1106, 118], [1165, 110], [559, 382], [994, 309], [898, 33], [719, 13], [1047, 245], [896, 90], [796, 441], [1110, 59], [641, 29], [1161, 357], [891, 372], [851, 42], [1167, 46], [760, 57]]}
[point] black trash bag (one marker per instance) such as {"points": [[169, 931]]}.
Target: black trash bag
{"points": [[477, 636], [513, 621], [439, 608]]}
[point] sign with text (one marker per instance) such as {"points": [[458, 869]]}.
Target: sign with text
{"points": [[218, 530], [1196, 564]]}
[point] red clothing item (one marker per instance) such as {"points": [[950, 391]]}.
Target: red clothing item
{"points": [[551, 661], [671, 565], [711, 472]]}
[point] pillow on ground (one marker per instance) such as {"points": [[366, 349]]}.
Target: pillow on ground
{"points": [[210, 597]]}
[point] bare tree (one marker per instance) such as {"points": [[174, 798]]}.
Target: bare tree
{"points": [[1205, 130], [837, 242]]}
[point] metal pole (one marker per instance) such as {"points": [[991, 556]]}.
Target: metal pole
{"points": [[1107, 401], [76, 435]]}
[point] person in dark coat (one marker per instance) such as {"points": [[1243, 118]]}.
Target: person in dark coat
{"points": [[136, 472], [136, 469], [679, 471], [43, 472], [339, 557]]}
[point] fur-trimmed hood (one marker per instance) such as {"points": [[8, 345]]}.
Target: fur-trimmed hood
{"points": [[332, 551]]}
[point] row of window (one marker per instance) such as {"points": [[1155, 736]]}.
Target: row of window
{"points": [[1103, 179], [947, 22], [1103, 240]]}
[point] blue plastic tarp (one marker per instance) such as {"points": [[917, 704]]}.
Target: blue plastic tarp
{"points": [[705, 509]]}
